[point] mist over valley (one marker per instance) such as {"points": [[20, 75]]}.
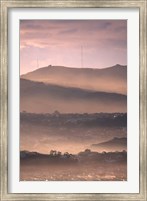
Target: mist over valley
{"points": [[80, 115]]}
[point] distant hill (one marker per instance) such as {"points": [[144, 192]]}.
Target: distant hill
{"points": [[46, 98], [117, 144], [112, 79]]}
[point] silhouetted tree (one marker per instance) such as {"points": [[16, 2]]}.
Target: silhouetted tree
{"points": [[87, 150], [67, 155], [59, 153], [53, 152]]}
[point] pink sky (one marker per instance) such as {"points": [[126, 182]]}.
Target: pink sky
{"points": [[58, 42]]}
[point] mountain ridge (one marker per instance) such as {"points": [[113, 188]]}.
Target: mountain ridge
{"points": [[111, 79], [77, 68]]}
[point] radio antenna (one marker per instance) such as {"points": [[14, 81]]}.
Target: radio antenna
{"points": [[37, 63], [81, 56]]}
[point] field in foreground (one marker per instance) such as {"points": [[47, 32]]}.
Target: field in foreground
{"points": [[85, 166]]}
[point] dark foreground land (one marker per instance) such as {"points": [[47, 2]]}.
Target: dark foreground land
{"points": [[84, 166]]}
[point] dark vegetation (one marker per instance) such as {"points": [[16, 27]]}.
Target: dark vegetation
{"points": [[82, 157], [79, 120]]}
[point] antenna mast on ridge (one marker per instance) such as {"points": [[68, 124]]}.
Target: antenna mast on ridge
{"points": [[81, 56], [37, 63]]}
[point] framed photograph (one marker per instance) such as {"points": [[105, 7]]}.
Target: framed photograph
{"points": [[73, 100]]}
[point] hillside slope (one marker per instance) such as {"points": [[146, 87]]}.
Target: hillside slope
{"points": [[46, 98], [112, 79]]}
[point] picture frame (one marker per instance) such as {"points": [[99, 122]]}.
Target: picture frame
{"points": [[5, 6]]}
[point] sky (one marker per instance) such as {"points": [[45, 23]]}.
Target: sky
{"points": [[72, 43]]}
